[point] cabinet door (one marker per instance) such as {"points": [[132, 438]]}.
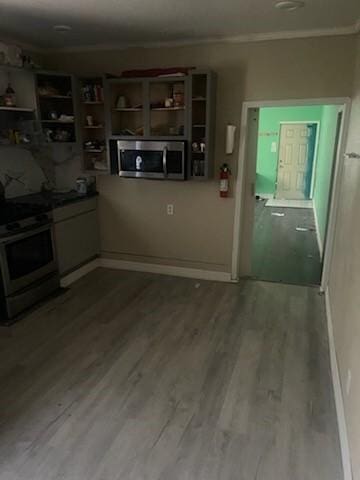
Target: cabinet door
{"points": [[77, 241]]}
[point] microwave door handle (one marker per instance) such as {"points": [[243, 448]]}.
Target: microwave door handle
{"points": [[165, 161], [121, 152]]}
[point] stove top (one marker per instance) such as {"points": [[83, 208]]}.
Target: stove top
{"points": [[17, 216], [14, 211]]}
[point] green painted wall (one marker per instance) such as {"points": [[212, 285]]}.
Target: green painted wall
{"points": [[324, 166], [269, 130]]}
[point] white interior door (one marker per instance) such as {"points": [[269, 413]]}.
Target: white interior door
{"points": [[292, 164]]}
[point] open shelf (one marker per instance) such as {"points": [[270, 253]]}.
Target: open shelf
{"points": [[16, 109], [60, 122], [129, 109], [92, 111], [17, 122], [202, 125], [167, 109], [55, 97], [127, 115], [168, 99]]}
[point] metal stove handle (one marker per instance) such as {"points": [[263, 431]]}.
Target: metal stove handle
{"points": [[28, 232]]}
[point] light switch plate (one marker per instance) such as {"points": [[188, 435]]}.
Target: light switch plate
{"points": [[170, 209]]}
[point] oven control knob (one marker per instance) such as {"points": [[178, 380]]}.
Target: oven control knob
{"points": [[42, 217], [12, 226]]}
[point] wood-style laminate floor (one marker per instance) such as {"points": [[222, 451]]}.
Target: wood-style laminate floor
{"points": [[136, 376], [280, 253]]}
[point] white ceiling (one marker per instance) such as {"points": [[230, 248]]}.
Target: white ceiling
{"points": [[116, 22]]}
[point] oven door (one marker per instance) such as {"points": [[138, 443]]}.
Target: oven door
{"points": [[147, 159], [27, 257]]}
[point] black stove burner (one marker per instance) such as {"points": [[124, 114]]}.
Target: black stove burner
{"points": [[14, 211]]}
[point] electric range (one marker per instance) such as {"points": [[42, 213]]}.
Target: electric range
{"points": [[28, 263]]}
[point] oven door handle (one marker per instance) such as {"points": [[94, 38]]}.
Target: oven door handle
{"points": [[27, 233], [164, 158]]}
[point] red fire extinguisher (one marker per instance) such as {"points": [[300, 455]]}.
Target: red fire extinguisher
{"points": [[224, 180]]}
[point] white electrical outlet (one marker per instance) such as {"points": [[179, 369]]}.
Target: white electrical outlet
{"points": [[170, 209], [348, 382]]}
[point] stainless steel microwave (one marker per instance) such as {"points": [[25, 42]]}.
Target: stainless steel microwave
{"points": [[148, 159]]}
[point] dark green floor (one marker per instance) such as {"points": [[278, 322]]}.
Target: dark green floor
{"points": [[282, 254]]}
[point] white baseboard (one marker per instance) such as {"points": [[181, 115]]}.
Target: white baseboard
{"points": [[147, 268], [318, 237], [285, 203], [80, 272], [339, 402], [166, 270]]}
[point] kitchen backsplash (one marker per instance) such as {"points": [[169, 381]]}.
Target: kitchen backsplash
{"points": [[24, 170], [67, 166], [28, 170]]}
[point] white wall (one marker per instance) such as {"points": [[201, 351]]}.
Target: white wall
{"points": [[132, 213], [344, 288]]}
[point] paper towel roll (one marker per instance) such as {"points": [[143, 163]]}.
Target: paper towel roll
{"points": [[230, 139]]}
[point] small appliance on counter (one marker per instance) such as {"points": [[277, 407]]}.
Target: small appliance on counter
{"points": [[85, 185]]}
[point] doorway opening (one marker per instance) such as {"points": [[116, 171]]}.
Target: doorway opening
{"points": [[291, 158]]}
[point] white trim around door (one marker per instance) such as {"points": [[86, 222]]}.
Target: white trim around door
{"points": [[241, 245], [338, 394]]}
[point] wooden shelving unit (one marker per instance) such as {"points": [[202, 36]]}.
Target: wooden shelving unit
{"points": [[60, 122], [202, 124], [16, 109], [55, 97], [18, 124], [138, 110], [168, 121], [167, 109], [126, 113], [127, 109], [93, 124], [161, 108]]}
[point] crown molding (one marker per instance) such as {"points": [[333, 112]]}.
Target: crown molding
{"points": [[23, 45], [244, 38]]}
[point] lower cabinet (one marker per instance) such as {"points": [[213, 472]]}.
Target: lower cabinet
{"points": [[76, 234]]}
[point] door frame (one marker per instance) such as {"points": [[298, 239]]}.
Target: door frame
{"points": [[318, 127], [246, 171]]}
